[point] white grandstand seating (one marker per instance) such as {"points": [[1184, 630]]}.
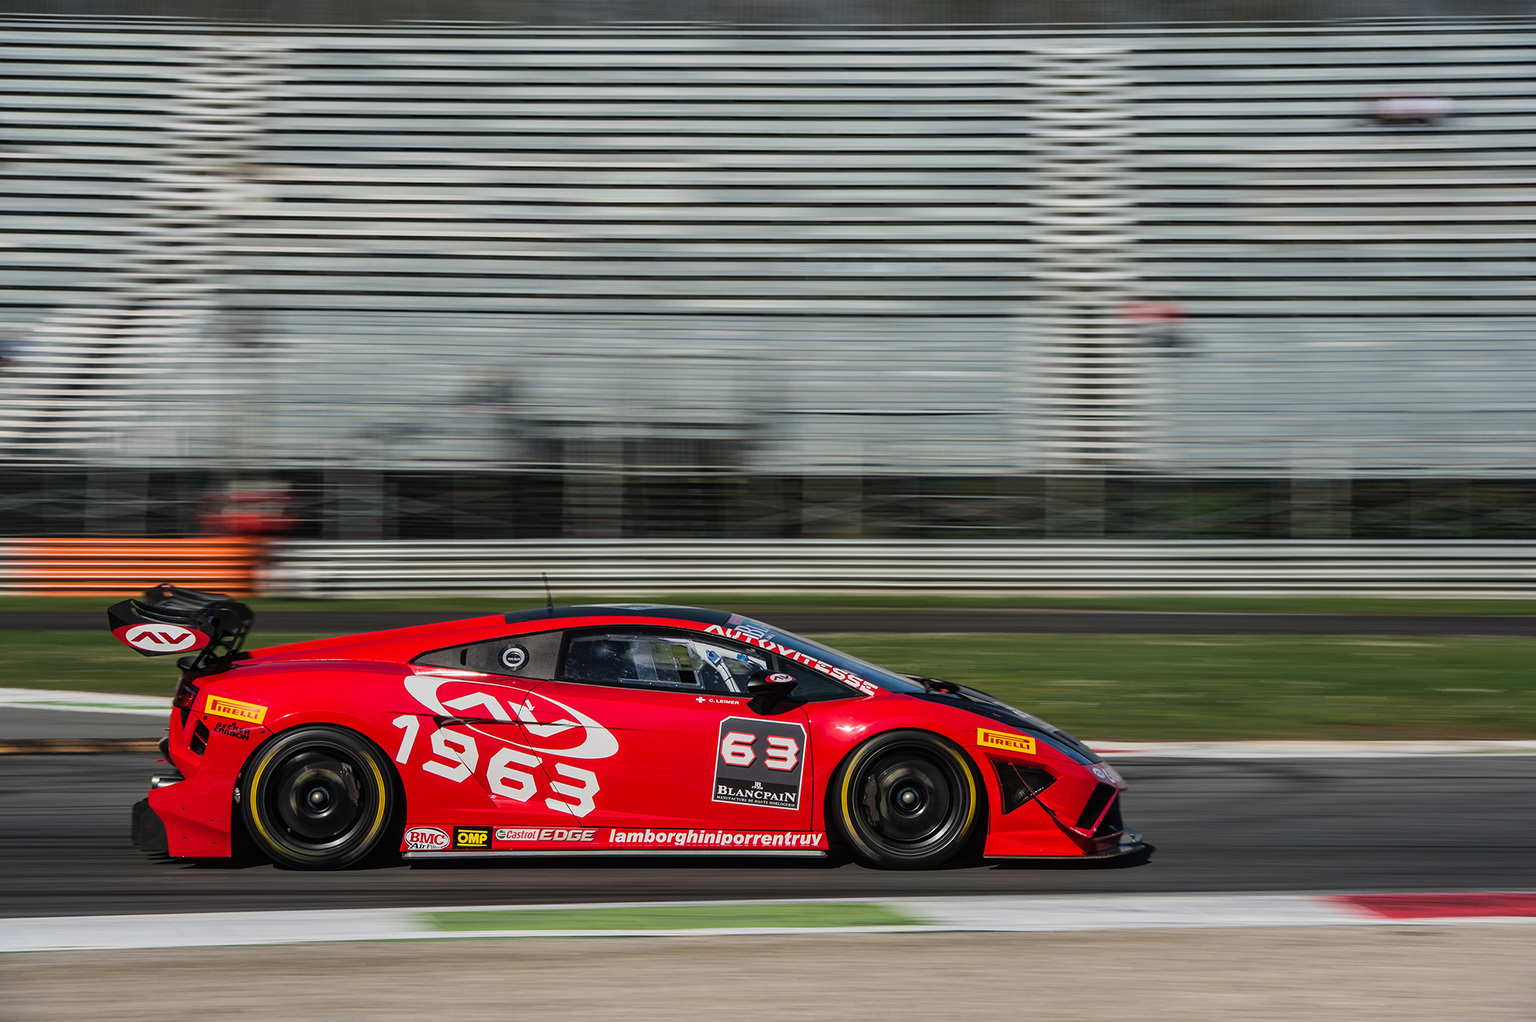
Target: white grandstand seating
{"points": [[823, 251]]}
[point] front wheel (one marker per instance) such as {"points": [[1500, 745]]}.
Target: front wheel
{"points": [[905, 800], [318, 798]]}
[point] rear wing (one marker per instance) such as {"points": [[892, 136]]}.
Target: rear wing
{"points": [[169, 619]]}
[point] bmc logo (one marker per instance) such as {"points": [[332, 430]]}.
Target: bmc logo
{"points": [[161, 638], [425, 839]]}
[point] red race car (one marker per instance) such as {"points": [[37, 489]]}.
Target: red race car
{"points": [[618, 730]]}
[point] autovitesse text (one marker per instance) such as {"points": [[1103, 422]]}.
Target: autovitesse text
{"points": [[790, 653]]}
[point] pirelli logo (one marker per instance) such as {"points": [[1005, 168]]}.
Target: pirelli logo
{"points": [[1005, 740], [218, 706]]}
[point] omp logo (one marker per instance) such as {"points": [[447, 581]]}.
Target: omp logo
{"points": [[471, 837], [1005, 740], [251, 713], [426, 839], [161, 638]]}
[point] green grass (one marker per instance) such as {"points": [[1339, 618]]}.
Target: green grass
{"points": [[1117, 687], [92, 662], [1212, 687], [673, 917], [765, 603]]}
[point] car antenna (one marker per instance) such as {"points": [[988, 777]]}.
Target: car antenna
{"points": [[549, 597]]}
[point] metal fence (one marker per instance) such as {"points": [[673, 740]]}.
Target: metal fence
{"points": [[640, 568], [631, 568]]}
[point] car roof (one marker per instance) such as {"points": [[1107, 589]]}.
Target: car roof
{"points": [[705, 617]]}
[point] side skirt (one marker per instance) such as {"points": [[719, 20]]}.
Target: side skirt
{"points": [[617, 853]]}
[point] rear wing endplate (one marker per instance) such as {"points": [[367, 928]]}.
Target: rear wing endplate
{"points": [[169, 619]]}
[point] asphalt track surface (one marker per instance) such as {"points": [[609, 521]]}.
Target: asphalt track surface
{"points": [[813, 620], [1410, 824]]}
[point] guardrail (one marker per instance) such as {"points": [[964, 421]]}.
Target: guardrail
{"points": [[621, 568], [124, 566], [627, 568]]}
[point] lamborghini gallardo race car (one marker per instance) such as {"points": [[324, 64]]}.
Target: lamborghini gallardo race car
{"points": [[593, 730]]}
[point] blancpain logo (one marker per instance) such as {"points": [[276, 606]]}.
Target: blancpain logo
{"points": [[756, 793]]}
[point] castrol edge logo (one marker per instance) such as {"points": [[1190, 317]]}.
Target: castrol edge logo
{"points": [[156, 638], [553, 728]]}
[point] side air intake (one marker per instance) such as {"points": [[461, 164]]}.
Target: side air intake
{"points": [[1096, 804], [1019, 783]]}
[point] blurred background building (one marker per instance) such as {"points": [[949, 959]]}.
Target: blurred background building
{"points": [[950, 270]]}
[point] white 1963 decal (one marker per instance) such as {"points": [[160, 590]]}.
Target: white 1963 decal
{"points": [[508, 771]]}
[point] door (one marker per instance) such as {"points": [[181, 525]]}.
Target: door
{"points": [[688, 752]]}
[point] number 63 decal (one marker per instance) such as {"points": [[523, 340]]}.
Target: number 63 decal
{"points": [[781, 752]]}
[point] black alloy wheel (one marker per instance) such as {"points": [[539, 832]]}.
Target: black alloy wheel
{"points": [[318, 798], [905, 800]]}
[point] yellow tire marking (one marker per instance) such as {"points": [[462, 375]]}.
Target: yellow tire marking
{"points": [[965, 768], [255, 817]]}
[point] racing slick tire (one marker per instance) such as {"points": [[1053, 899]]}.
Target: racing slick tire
{"points": [[318, 798], [905, 800]]}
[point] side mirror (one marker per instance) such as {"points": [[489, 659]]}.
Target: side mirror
{"points": [[769, 690]]}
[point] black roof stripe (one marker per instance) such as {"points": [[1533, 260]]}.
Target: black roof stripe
{"points": [[707, 617]]}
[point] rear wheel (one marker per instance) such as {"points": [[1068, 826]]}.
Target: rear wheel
{"points": [[905, 800], [318, 798]]}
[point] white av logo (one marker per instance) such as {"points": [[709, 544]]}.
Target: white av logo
{"points": [[161, 638]]}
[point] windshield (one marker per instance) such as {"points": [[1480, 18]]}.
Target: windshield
{"points": [[760, 634]]}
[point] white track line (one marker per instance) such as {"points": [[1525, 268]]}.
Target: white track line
{"points": [[1019, 914], [85, 702]]}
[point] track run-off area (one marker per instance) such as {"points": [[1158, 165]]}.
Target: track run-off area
{"points": [[1364, 881], [1262, 823], [1379, 881]]}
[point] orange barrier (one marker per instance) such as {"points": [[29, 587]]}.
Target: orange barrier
{"points": [[126, 567]]}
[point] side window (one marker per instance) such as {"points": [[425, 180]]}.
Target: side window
{"points": [[728, 667], [665, 660], [632, 660], [601, 658], [675, 660]]}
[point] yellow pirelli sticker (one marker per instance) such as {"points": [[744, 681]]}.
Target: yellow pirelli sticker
{"points": [[1005, 740], [218, 706]]}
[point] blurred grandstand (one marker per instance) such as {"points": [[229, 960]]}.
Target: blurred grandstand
{"points": [[453, 281]]}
